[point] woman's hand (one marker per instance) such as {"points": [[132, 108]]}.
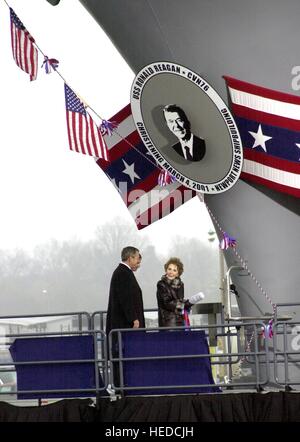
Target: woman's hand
{"points": [[179, 307]]}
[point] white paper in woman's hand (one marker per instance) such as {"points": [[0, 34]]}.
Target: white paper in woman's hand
{"points": [[196, 298]]}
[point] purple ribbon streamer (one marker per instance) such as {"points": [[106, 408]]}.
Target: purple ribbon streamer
{"points": [[227, 241], [50, 63], [165, 178], [267, 330], [107, 127]]}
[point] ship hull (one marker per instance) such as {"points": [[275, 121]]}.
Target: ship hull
{"points": [[256, 42]]}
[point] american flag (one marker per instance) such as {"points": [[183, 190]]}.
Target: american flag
{"points": [[24, 51], [269, 125], [134, 173], [84, 135]]}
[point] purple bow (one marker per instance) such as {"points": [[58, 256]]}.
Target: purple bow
{"points": [[267, 330], [107, 127], [50, 63], [165, 178], [227, 241]]}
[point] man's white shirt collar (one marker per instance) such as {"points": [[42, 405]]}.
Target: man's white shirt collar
{"points": [[189, 144], [124, 263]]}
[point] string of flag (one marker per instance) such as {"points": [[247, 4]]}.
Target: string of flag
{"points": [[83, 134]]}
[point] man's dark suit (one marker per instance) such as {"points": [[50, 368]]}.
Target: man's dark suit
{"points": [[198, 149], [125, 305], [125, 300]]}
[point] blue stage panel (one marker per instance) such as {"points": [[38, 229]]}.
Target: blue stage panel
{"points": [[54, 376], [158, 373]]}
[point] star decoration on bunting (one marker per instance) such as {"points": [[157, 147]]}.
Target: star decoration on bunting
{"points": [[129, 170], [260, 138]]}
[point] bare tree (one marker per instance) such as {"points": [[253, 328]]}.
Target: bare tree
{"points": [[74, 275], [112, 237]]}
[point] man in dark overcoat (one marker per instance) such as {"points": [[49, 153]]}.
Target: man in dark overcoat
{"points": [[125, 304]]}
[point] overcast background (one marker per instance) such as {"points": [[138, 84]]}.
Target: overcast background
{"points": [[62, 223]]}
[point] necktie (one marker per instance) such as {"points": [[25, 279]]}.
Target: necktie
{"points": [[188, 154]]}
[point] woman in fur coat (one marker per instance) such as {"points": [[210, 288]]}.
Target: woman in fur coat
{"points": [[170, 295]]}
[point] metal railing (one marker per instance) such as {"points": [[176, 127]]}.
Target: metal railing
{"points": [[100, 364], [264, 356], [98, 320], [228, 304], [287, 353], [227, 359], [83, 325]]}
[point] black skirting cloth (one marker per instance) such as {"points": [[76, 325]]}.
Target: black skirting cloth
{"points": [[66, 410], [231, 407]]}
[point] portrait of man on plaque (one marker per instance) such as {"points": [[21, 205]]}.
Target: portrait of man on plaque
{"points": [[189, 146]]}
